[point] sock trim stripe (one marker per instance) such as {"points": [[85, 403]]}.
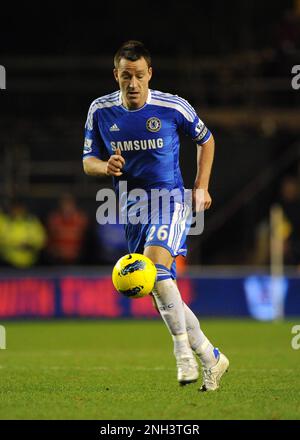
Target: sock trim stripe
{"points": [[163, 273], [203, 347], [182, 337]]}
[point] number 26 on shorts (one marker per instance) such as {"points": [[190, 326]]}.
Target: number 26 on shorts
{"points": [[161, 232]]}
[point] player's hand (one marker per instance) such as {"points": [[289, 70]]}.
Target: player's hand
{"points": [[201, 199], [115, 163]]}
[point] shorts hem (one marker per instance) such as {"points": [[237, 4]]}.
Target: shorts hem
{"points": [[174, 254]]}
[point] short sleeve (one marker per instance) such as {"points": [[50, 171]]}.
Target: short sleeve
{"points": [[93, 144], [190, 123]]}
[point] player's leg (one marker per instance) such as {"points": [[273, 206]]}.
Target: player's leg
{"points": [[214, 363], [171, 237], [199, 343], [171, 309]]}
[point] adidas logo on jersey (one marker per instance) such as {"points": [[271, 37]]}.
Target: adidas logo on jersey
{"points": [[114, 128]]}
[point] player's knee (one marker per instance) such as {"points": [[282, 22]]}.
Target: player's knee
{"points": [[159, 255]]}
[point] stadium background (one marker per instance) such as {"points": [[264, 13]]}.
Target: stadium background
{"points": [[233, 61]]}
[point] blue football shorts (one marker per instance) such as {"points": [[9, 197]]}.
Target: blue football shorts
{"points": [[168, 231]]}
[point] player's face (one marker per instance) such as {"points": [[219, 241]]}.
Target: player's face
{"points": [[133, 78]]}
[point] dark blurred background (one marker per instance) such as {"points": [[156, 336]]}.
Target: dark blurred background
{"points": [[231, 60]]}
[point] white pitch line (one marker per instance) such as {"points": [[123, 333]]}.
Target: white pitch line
{"points": [[73, 367]]}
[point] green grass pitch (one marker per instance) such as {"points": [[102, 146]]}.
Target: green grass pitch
{"points": [[124, 370]]}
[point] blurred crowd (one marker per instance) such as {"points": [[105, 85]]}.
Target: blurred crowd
{"points": [[289, 229], [66, 237]]}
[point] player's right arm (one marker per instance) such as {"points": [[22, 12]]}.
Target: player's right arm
{"points": [[97, 167], [93, 164]]}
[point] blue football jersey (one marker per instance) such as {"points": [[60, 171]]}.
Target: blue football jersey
{"points": [[147, 137]]}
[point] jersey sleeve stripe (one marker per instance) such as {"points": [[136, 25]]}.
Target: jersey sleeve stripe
{"points": [[97, 104], [175, 106], [176, 99], [178, 102]]}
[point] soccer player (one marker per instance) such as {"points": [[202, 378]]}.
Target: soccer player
{"points": [[138, 130]]}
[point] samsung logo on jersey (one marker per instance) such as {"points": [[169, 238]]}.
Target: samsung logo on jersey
{"points": [[143, 144]]}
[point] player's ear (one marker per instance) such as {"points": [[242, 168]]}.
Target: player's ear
{"points": [[116, 75], [150, 73]]}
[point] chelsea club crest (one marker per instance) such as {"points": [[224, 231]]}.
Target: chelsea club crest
{"points": [[153, 124]]}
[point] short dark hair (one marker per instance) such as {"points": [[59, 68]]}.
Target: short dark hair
{"points": [[132, 50]]}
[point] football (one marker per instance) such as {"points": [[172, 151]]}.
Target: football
{"points": [[134, 275]]}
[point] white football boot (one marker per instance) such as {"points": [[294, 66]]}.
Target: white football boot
{"points": [[187, 369], [212, 376]]}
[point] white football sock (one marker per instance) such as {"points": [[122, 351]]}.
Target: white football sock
{"points": [[198, 341], [171, 309]]}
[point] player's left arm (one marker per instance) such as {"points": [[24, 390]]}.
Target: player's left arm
{"points": [[205, 156], [188, 120]]}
